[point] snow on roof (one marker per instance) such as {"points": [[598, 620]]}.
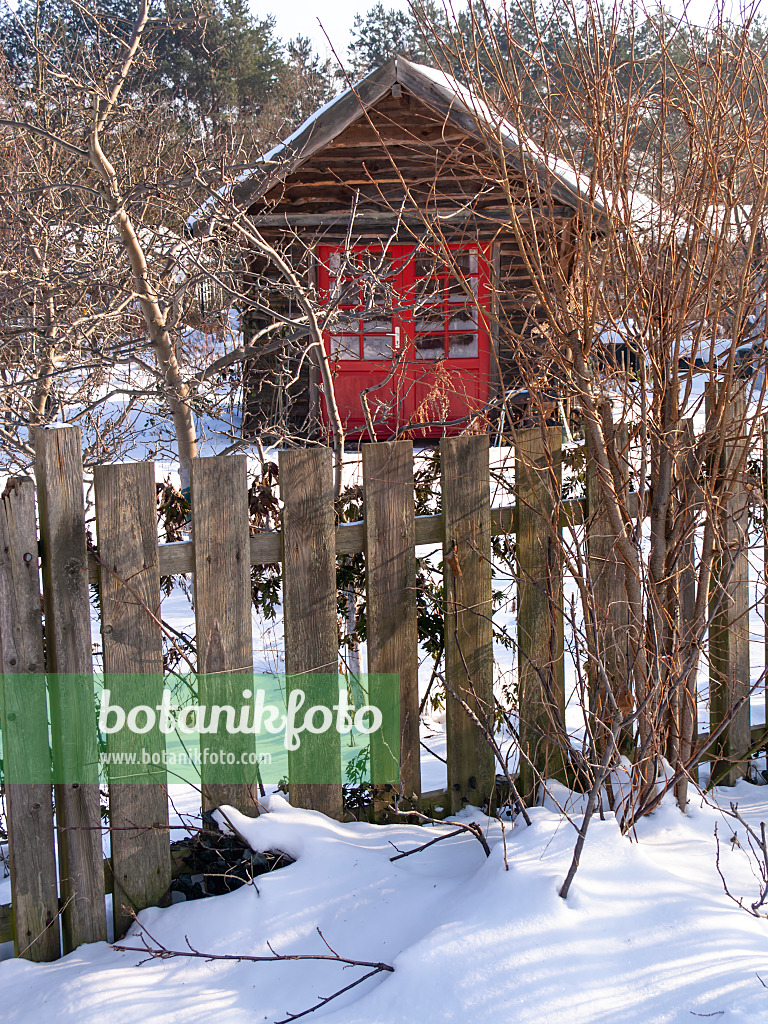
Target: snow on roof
{"points": [[455, 91]]}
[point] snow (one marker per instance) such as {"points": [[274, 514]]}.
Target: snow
{"points": [[646, 935]]}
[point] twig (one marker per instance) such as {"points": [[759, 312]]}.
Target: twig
{"points": [[758, 847], [431, 752], [425, 846], [473, 828], [611, 748], [158, 951], [327, 999]]}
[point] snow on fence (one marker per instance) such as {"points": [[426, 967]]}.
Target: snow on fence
{"points": [[57, 866]]}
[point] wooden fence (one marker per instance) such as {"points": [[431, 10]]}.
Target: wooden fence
{"points": [[128, 570]]}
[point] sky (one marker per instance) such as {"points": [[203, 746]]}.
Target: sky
{"points": [[303, 17]]}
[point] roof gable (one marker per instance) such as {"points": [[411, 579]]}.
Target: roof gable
{"points": [[446, 97]]}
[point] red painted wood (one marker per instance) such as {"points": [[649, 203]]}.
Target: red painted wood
{"points": [[427, 356]]}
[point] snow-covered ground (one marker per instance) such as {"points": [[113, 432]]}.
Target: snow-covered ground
{"points": [[647, 933]]}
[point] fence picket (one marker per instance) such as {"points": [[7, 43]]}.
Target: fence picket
{"points": [[390, 573], [309, 605], [541, 666], [220, 530], [59, 472], [465, 482], [26, 753], [687, 714], [126, 519]]}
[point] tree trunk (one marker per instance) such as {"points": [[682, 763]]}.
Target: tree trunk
{"points": [[175, 388]]}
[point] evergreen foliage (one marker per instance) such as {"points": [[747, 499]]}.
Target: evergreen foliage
{"points": [[215, 65]]}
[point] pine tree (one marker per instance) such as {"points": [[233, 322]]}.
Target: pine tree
{"points": [[308, 80], [382, 33], [227, 67], [70, 35]]}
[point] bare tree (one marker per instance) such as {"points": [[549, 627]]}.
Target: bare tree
{"points": [[113, 305], [644, 316]]}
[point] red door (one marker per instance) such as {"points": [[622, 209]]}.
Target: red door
{"points": [[451, 345], [408, 337]]}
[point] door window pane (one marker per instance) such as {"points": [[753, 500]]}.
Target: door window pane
{"points": [[345, 346], [465, 263], [432, 322], [464, 322], [457, 291], [430, 346], [462, 346], [377, 346]]}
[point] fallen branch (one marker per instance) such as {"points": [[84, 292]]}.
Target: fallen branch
{"points": [[157, 951], [474, 829]]}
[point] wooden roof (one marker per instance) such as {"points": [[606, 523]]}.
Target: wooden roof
{"points": [[451, 110]]}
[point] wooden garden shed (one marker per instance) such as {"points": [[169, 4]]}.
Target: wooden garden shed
{"points": [[395, 199]]}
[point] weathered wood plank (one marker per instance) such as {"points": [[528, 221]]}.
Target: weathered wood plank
{"points": [[541, 667], [465, 482], [390, 573], [59, 472], [729, 607], [126, 520], [26, 753], [220, 532], [482, 216], [309, 605]]}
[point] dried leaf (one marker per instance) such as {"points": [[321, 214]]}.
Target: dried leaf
{"points": [[453, 561]]}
